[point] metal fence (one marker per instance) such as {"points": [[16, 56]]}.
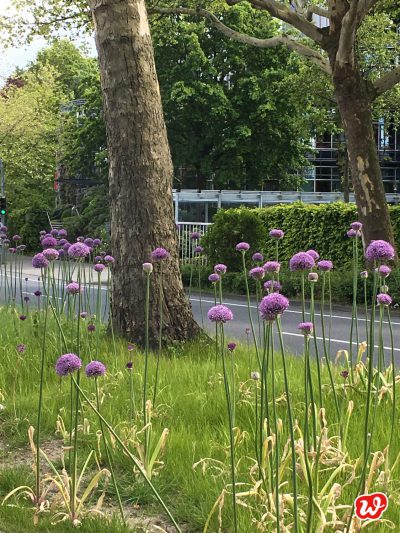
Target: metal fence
{"points": [[186, 243]]}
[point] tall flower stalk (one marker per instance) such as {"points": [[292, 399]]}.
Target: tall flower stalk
{"points": [[147, 269]]}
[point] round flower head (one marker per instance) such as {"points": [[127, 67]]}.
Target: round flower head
{"points": [[255, 376], [22, 317], [67, 246], [62, 232], [213, 278], [313, 277], [21, 348], [356, 226], [49, 242], [344, 374], [314, 254], [352, 233], [257, 257], [67, 364], [325, 265], [272, 306], [98, 259], [96, 242], [89, 242], [306, 327], [109, 259], [147, 267], [38, 294], [61, 242], [61, 253], [12, 250], [195, 235], [198, 250], [21, 247], [83, 314], [51, 254], [384, 271], [231, 346], [130, 347], [364, 274], [80, 239], [78, 250], [95, 369], [91, 328], [129, 365], [159, 254], [379, 251], [220, 268], [247, 331], [301, 261], [272, 266], [73, 288], [272, 286], [220, 313], [54, 232], [257, 273], [276, 234], [26, 299], [242, 247], [384, 299], [99, 267], [16, 238], [39, 261]]}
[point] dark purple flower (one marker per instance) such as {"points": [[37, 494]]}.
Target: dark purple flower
{"points": [[98, 259], [325, 265], [344, 374], [54, 232], [96, 242], [220, 268], [356, 226], [352, 233], [272, 286], [49, 242], [39, 261], [257, 257], [89, 242], [21, 348], [37, 293], [51, 254], [26, 299], [12, 250], [379, 251], [220, 313], [67, 246], [67, 364], [109, 259], [384, 299], [16, 238], [83, 314], [99, 267], [384, 271], [91, 328], [231, 346], [129, 365], [242, 247], [301, 261], [22, 317], [314, 254], [257, 273], [272, 267], [272, 306], [159, 254], [73, 288], [306, 327], [61, 242], [130, 347], [198, 250], [95, 369], [276, 234], [78, 250], [213, 278], [195, 235], [62, 232], [147, 267]]}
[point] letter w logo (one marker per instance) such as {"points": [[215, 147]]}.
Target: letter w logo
{"points": [[371, 506]]}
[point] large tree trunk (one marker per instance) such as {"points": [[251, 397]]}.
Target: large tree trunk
{"points": [[355, 108], [140, 174]]}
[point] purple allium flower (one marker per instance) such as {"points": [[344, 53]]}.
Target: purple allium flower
{"points": [[257, 257], [272, 267], [96, 242], [12, 250], [61, 253], [242, 247], [159, 254], [21, 247], [220, 313], [38, 294], [26, 299], [61, 242], [384, 299], [198, 250], [325, 265], [95, 369], [257, 273], [247, 331], [384, 271], [314, 254], [80, 239], [89, 242], [306, 327], [78, 250], [99, 267], [195, 235], [103, 254], [344, 374], [17, 238], [272, 306], [147, 267], [109, 259], [301, 261], [231, 346], [213, 278], [356, 226], [98, 259], [49, 242], [129, 365], [67, 246], [313, 277], [379, 251], [83, 314], [255, 376], [220, 268], [67, 364], [62, 232], [272, 286], [21, 348], [276, 234], [130, 347], [91, 328], [22, 317], [73, 288], [352, 234], [39, 261], [54, 232], [364, 274], [51, 254]]}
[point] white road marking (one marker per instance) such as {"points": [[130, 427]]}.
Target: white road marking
{"points": [[335, 340]]}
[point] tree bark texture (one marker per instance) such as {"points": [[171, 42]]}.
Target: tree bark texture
{"points": [[140, 175]]}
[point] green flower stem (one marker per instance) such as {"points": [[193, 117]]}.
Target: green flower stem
{"points": [[98, 312], [278, 526], [200, 297], [303, 298], [312, 316], [160, 326], [131, 457], [132, 394], [146, 363], [354, 321], [108, 455], [393, 378], [306, 436], [249, 309]]}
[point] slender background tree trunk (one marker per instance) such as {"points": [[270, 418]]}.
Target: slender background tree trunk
{"points": [[140, 174]]}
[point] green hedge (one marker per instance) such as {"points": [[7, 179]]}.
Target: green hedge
{"points": [[321, 227]]}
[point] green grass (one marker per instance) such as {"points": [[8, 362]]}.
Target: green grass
{"points": [[191, 404]]}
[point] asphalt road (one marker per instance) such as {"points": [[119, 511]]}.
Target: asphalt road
{"points": [[339, 326]]}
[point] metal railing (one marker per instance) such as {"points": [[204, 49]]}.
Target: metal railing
{"points": [[186, 243]]}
